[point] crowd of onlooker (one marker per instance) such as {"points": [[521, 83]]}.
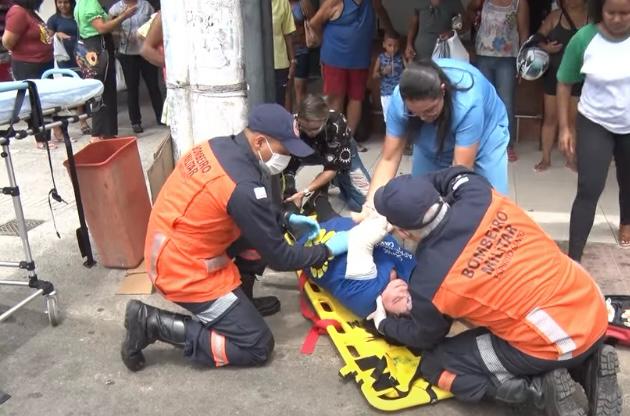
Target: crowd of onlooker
{"points": [[587, 88], [91, 39], [353, 47]]}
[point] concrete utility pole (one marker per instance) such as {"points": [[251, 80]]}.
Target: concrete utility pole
{"points": [[203, 45]]}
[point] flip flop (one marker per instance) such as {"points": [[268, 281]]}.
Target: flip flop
{"points": [[51, 145]]}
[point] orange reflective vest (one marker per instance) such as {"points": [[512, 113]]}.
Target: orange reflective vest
{"points": [[513, 279], [490, 264], [190, 230]]}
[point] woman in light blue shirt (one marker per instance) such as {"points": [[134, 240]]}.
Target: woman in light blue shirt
{"points": [[453, 116]]}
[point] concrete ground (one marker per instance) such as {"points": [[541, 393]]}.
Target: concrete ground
{"points": [[75, 368]]}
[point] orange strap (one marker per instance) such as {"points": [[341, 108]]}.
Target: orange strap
{"points": [[319, 325]]}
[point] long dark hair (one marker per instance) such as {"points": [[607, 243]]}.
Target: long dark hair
{"points": [[595, 10], [73, 3], [423, 80], [32, 5]]}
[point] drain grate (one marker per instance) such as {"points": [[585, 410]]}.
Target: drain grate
{"points": [[11, 228]]}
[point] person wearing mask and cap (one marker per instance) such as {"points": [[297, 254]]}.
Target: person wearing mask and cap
{"points": [[482, 259], [211, 230]]}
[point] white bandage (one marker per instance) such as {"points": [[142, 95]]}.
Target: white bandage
{"points": [[361, 241]]}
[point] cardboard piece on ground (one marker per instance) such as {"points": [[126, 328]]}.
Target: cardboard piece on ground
{"points": [[161, 167], [136, 282]]}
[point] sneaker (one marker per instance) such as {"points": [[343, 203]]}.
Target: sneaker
{"points": [[559, 394], [267, 305], [137, 128], [599, 379]]}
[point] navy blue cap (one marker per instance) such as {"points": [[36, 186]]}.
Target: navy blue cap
{"points": [[405, 200], [276, 122]]}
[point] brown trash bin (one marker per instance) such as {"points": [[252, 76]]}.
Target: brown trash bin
{"points": [[115, 199]]}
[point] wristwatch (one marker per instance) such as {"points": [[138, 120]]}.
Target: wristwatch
{"points": [[307, 193]]}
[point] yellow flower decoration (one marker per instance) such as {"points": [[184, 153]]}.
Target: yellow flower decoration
{"points": [[91, 58], [322, 238]]}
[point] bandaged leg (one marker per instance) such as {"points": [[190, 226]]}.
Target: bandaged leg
{"points": [[361, 241]]}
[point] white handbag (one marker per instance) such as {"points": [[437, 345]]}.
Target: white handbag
{"points": [[61, 55], [451, 47]]}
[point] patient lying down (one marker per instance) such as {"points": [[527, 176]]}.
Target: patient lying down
{"points": [[374, 261]]}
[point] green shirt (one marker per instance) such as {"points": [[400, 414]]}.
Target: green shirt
{"points": [[602, 63], [84, 12]]}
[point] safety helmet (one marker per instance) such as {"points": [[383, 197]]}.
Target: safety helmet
{"points": [[532, 61]]}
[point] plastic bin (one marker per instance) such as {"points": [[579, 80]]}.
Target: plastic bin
{"points": [[115, 200]]}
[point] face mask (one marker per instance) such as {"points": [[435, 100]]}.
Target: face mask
{"points": [[277, 163]]}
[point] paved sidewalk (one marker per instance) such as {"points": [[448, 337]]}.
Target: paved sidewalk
{"points": [[75, 369]]}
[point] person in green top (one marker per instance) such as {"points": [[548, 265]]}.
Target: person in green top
{"points": [[95, 28], [599, 55]]}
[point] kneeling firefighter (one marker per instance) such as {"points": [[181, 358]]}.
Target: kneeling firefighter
{"points": [[536, 313], [210, 231]]}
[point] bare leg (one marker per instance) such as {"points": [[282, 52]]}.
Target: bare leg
{"points": [[549, 132], [353, 113], [335, 102], [288, 96], [300, 90]]}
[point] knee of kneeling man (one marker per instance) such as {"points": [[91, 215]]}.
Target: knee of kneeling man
{"points": [[264, 349]]}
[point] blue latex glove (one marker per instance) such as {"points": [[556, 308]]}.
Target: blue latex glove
{"points": [[299, 221], [338, 243]]}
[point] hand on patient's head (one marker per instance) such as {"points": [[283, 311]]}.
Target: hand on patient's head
{"points": [[396, 297]]}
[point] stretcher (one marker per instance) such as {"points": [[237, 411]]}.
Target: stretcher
{"points": [[388, 375], [56, 94], [43, 104]]}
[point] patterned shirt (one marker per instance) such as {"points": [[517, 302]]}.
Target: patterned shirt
{"points": [[130, 42], [391, 80], [498, 31], [332, 146]]}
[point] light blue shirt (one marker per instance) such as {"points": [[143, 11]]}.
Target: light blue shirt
{"points": [[479, 117]]}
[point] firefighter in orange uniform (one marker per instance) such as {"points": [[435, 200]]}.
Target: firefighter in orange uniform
{"points": [[480, 258], [211, 230]]}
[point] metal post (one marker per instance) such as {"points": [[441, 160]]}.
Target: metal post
{"points": [[19, 213]]}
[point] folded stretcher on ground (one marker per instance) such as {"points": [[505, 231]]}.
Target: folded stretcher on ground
{"points": [[388, 375], [58, 93]]}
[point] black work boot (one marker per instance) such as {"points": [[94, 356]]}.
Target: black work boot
{"points": [[146, 324], [553, 393], [598, 376], [559, 394], [266, 305]]}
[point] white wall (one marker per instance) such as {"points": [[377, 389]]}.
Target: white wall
{"points": [[47, 9]]}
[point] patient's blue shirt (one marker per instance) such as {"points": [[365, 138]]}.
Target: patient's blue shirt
{"points": [[360, 295]]}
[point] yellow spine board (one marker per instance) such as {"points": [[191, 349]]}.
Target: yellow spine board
{"points": [[367, 357]]}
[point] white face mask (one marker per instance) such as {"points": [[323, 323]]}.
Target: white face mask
{"points": [[277, 163]]}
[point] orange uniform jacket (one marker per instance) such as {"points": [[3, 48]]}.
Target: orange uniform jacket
{"points": [[215, 195], [490, 264]]}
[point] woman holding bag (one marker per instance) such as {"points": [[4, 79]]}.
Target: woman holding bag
{"points": [[95, 57], [503, 27], [63, 28]]}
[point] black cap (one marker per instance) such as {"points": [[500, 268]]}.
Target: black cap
{"points": [[405, 200], [276, 122]]}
